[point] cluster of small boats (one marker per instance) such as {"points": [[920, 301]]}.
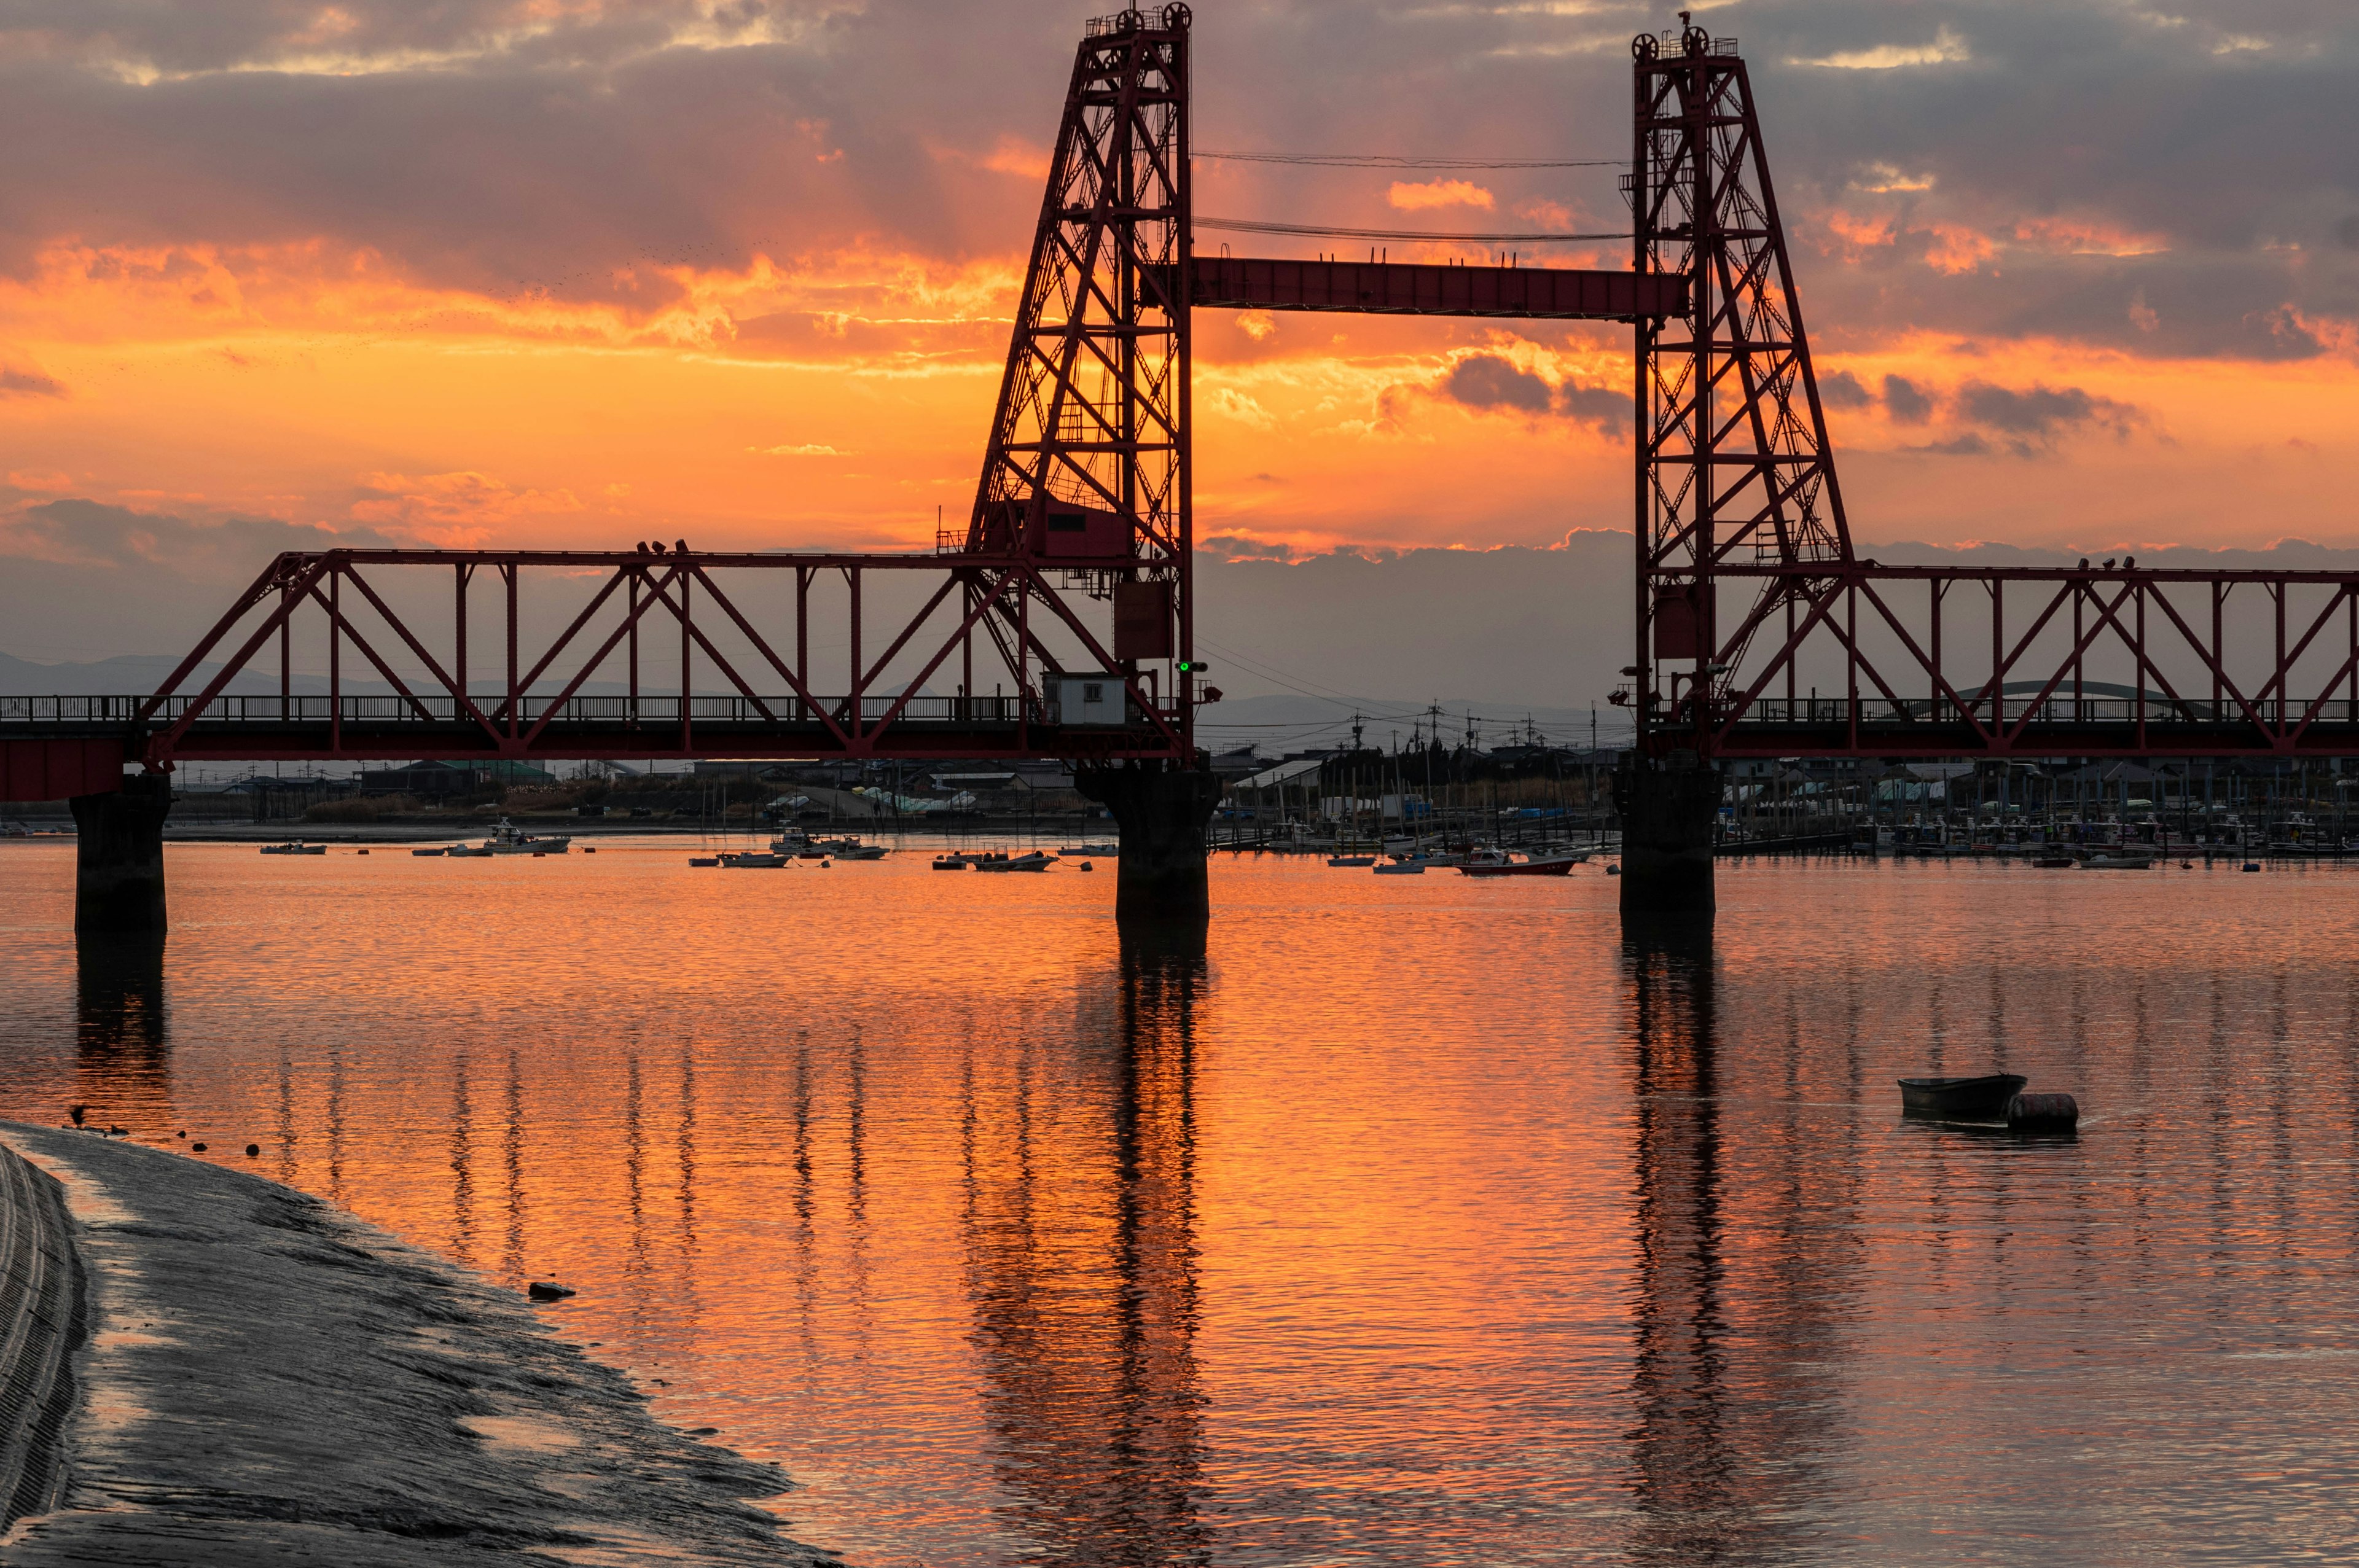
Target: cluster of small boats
{"points": [[995, 860], [1480, 862], [506, 839], [788, 848]]}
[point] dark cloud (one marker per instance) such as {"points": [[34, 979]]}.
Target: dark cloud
{"points": [[1486, 381], [2096, 152], [2032, 420], [1841, 389], [92, 533], [1601, 406], [1489, 381], [2021, 423], [1905, 401]]}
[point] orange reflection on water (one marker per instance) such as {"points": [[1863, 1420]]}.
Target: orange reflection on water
{"points": [[1405, 1220]]}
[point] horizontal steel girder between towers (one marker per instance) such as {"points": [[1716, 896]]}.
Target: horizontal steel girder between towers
{"points": [[1413, 289]]}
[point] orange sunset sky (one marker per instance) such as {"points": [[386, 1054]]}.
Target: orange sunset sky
{"points": [[2078, 273]]}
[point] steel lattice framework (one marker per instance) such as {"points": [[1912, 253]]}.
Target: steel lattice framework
{"points": [[1822, 653], [1084, 507]]}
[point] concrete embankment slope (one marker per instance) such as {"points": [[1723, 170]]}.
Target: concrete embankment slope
{"points": [[266, 1379]]}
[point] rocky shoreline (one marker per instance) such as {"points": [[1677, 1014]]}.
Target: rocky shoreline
{"points": [[262, 1378]]}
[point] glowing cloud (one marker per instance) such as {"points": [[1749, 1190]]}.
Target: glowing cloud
{"points": [[1414, 198]]}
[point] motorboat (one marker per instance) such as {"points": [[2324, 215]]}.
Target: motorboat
{"points": [[1495, 864], [1350, 861], [2116, 858], [1105, 851], [470, 852], [1401, 869], [507, 838], [1981, 1099], [422, 852], [949, 863], [754, 860], [864, 852], [294, 848], [1033, 861], [704, 860], [2055, 862]]}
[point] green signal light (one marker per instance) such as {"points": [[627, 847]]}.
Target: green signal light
{"points": [[1193, 666]]}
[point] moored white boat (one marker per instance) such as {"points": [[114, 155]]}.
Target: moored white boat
{"points": [[507, 838]]}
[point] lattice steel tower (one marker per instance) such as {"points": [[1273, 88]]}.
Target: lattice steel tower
{"points": [[1086, 472], [1732, 451]]}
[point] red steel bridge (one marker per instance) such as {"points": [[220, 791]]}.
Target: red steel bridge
{"points": [[1067, 594]]}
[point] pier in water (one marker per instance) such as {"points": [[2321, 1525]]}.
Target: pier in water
{"points": [[1408, 1220]]}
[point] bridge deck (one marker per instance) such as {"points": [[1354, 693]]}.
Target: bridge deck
{"points": [[48, 744], [2060, 727]]}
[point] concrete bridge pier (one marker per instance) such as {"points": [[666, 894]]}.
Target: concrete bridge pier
{"points": [[1667, 808], [1161, 813], [119, 884]]}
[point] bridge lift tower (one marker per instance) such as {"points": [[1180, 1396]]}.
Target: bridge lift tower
{"points": [[1073, 571]]}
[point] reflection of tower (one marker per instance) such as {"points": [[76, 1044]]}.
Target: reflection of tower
{"points": [[1080, 1232], [1741, 1282], [122, 1048], [1682, 1457]]}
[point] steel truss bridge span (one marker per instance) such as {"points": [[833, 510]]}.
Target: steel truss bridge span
{"points": [[1760, 630]]}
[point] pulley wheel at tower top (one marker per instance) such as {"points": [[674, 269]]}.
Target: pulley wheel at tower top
{"points": [[1129, 22], [1644, 46], [1696, 40], [1177, 17]]}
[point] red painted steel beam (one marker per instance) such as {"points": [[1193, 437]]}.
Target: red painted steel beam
{"points": [[1417, 289], [57, 768]]}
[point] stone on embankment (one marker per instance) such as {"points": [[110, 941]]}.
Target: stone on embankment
{"points": [[269, 1380]]}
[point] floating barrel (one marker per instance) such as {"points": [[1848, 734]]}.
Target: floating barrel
{"points": [[2043, 1113]]}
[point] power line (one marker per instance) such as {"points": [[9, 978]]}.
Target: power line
{"points": [[1249, 226], [1379, 160]]}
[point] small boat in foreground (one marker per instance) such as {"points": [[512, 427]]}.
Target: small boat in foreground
{"points": [[1350, 861], [1034, 861], [1980, 1099], [1401, 869], [754, 860], [704, 860], [426, 851], [2119, 860], [1537, 866], [298, 847], [1107, 851], [949, 863]]}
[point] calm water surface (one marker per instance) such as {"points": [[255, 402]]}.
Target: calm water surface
{"points": [[1419, 1221]]}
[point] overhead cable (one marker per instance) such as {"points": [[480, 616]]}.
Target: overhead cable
{"points": [[1248, 226], [1356, 161]]}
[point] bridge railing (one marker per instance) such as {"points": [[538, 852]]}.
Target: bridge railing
{"points": [[435, 710], [2155, 711]]}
